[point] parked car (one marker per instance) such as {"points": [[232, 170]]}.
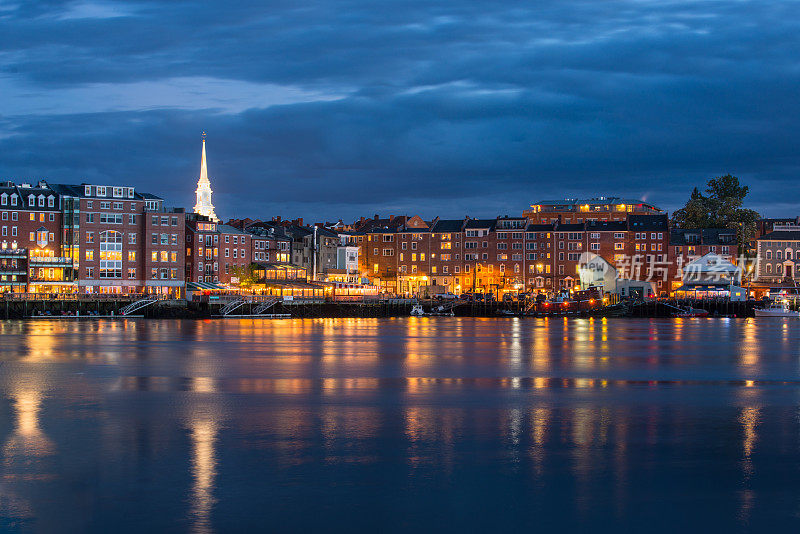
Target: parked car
{"points": [[446, 296]]}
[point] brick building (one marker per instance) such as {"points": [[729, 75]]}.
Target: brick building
{"points": [[31, 257], [121, 241], [508, 254]]}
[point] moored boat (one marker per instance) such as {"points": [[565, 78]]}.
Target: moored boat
{"points": [[691, 312], [776, 309]]}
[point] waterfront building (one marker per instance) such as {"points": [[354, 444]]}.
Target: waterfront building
{"points": [[574, 210], [31, 259], [202, 249], [109, 234], [162, 248], [235, 254], [778, 252], [687, 245], [507, 254], [203, 205], [711, 276]]}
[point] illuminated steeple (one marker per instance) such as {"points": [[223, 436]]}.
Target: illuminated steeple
{"points": [[203, 206]]}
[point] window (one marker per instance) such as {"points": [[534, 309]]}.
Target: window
{"points": [[173, 257], [131, 255], [90, 237], [14, 216], [132, 239], [90, 255], [13, 200], [52, 217], [164, 256], [132, 218], [131, 272], [110, 254], [90, 272], [227, 253], [619, 246], [595, 246]]}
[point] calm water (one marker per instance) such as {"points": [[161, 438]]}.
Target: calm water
{"points": [[400, 424]]}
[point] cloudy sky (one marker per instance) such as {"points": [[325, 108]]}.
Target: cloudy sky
{"points": [[343, 108]]}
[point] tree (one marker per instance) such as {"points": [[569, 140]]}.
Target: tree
{"points": [[245, 274], [720, 207]]}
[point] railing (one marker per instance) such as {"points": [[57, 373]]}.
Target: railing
{"points": [[137, 305], [266, 305], [231, 307], [33, 260]]}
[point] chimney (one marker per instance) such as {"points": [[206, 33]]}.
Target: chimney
{"points": [[376, 217], [278, 218], [391, 218]]}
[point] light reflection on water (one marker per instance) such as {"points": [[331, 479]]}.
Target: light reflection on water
{"points": [[455, 423]]}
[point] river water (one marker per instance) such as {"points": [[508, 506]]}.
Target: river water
{"points": [[400, 424]]}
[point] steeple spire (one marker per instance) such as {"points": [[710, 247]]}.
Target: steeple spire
{"points": [[204, 205]]}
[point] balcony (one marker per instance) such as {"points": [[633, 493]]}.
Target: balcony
{"points": [[49, 261]]}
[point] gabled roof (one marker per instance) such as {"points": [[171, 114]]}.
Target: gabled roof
{"points": [[227, 229], [540, 227], [447, 226], [708, 236], [570, 227], [481, 223], [781, 235], [648, 222], [606, 226]]}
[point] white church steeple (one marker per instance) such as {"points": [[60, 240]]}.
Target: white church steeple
{"points": [[204, 205]]}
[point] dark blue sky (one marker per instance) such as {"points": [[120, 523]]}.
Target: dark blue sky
{"points": [[339, 108]]}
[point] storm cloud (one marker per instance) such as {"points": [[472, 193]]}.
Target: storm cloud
{"points": [[338, 109]]}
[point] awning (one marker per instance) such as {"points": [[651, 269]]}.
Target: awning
{"points": [[703, 288], [198, 286]]}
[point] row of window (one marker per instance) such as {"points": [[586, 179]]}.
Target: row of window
{"points": [[165, 220], [163, 239], [33, 200], [116, 235]]}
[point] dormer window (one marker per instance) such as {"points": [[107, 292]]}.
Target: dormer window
{"points": [[14, 199], [130, 192], [4, 199], [117, 192], [31, 200], [41, 201], [101, 190], [87, 190], [51, 201]]}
